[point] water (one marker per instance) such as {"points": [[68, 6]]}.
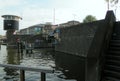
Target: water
{"points": [[40, 58]]}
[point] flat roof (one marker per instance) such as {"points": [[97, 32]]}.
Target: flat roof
{"points": [[11, 15]]}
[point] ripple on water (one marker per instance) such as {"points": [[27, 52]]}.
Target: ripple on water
{"points": [[41, 58]]}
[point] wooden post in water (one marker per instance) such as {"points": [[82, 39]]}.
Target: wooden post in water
{"points": [[18, 47], [22, 75], [21, 47], [43, 76], [0, 46]]}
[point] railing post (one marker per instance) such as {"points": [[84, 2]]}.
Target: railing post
{"points": [[43, 76], [22, 75]]}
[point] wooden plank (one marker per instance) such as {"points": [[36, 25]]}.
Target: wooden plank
{"points": [[44, 70]]}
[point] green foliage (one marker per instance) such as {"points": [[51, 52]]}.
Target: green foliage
{"points": [[107, 0], [112, 1], [89, 18]]}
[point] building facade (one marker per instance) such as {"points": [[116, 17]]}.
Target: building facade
{"points": [[32, 30], [69, 23]]}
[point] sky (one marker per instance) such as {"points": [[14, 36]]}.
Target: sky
{"points": [[54, 11]]}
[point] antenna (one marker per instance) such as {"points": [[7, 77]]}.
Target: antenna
{"points": [[54, 16]]}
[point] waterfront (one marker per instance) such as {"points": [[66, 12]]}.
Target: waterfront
{"points": [[40, 58]]}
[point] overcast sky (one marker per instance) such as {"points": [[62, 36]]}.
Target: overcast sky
{"points": [[41, 11]]}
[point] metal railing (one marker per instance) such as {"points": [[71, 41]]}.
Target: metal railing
{"points": [[22, 69]]}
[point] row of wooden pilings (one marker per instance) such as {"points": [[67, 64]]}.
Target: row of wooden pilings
{"points": [[28, 47], [22, 69]]}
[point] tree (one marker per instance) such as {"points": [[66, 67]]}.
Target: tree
{"points": [[89, 18], [114, 2]]}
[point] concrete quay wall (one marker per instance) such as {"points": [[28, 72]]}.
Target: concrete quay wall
{"points": [[88, 41], [77, 39]]}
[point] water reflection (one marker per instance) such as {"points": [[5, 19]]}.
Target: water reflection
{"points": [[12, 58]]}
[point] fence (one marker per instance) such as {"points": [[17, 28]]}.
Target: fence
{"points": [[22, 69]]}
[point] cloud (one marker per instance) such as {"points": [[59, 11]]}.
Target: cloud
{"points": [[7, 3], [34, 15]]}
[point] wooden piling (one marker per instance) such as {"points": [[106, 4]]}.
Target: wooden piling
{"points": [[18, 47], [43, 76], [22, 75]]}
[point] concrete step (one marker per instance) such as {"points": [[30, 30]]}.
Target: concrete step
{"points": [[111, 79], [114, 68], [113, 62], [113, 57], [113, 48], [117, 37], [113, 40], [115, 44], [112, 74], [114, 53]]}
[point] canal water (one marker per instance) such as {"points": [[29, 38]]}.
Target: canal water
{"points": [[40, 58]]}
